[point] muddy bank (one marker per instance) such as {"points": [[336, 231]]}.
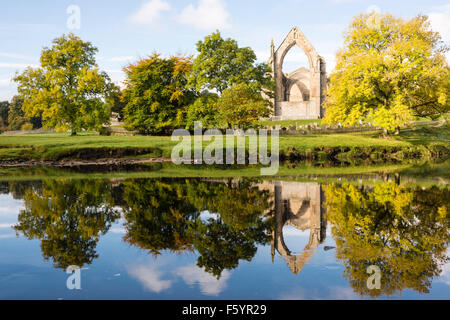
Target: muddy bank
{"points": [[80, 163], [135, 156]]}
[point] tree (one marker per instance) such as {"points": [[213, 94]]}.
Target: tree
{"points": [[240, 106], [115, 100], [389, 71], [221, 64], [204, 109], [4, 110], [156, 95], [67, 89], [17, 119], [401, 229], [68, 216]]}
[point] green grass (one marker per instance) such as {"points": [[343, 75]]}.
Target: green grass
{"points": [[61, 145]]}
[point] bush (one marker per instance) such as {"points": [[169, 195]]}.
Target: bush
{"points": [[105, 131], [26, 127]]}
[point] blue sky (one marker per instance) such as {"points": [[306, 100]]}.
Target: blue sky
{"points": [[123, 31]]}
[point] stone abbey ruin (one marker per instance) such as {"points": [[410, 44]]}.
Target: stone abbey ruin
{"points": [[299, 94]]}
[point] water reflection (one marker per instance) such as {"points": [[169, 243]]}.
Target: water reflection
{"points": [[403, 229], [67, 216], [298, 205]]}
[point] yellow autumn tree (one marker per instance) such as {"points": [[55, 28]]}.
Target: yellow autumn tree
{"points": [[388, 71]]}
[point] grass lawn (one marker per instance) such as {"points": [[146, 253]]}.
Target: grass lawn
{"points": [[56, 145]]}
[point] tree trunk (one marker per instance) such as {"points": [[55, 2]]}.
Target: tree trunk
{"points": [[397, 131]]}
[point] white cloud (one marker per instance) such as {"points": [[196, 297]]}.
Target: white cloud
{"points": [[209, 285], [17, 65], [150, 278], [344, 1], [150, 12], [5, 82], [440, 21], [16, 56], [121, 59], [208, 15]]}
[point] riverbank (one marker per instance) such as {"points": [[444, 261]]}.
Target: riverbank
{"points": [[89, 148]]}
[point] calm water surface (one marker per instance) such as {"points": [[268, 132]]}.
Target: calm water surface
{"points": [[224, 239]]}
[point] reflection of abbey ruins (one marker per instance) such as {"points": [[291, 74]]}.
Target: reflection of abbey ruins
{"points": [[299, 94], [297, 204]]}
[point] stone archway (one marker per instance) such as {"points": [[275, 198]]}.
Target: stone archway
{"points": [[315, 84]]}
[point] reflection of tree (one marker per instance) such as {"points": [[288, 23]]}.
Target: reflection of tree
{"points": [[68, 216], [233, 236], [157, 214], [402, 230], [166, 216]]}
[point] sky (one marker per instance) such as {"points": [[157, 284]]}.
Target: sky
{"points": [[124, 31]]}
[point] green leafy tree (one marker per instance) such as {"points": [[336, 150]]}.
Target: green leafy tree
{"points": [[67, 90], [221, 63], [240, 106], [389, 71], [4, 110], [68, 216], [402, 230], [16, 116], [204, 109], [156, 95], [115, 100]]}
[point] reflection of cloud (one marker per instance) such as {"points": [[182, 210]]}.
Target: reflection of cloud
{"points": [[342, 293], [445, 274], [150, 278], [295, 294], [208, 15], [7, 236], [330, 293], [118, 230], [209, 285], [6, 225]]}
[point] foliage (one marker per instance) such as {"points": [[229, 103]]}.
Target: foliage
{"points": [[115, 100], [240, 106], [68, 216], [204, 109], [221, 63], [402, 230], [389, 71], [4, 110], [26, 127], [157, 215], [156, 95], [67, 90], [165, 215]]}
